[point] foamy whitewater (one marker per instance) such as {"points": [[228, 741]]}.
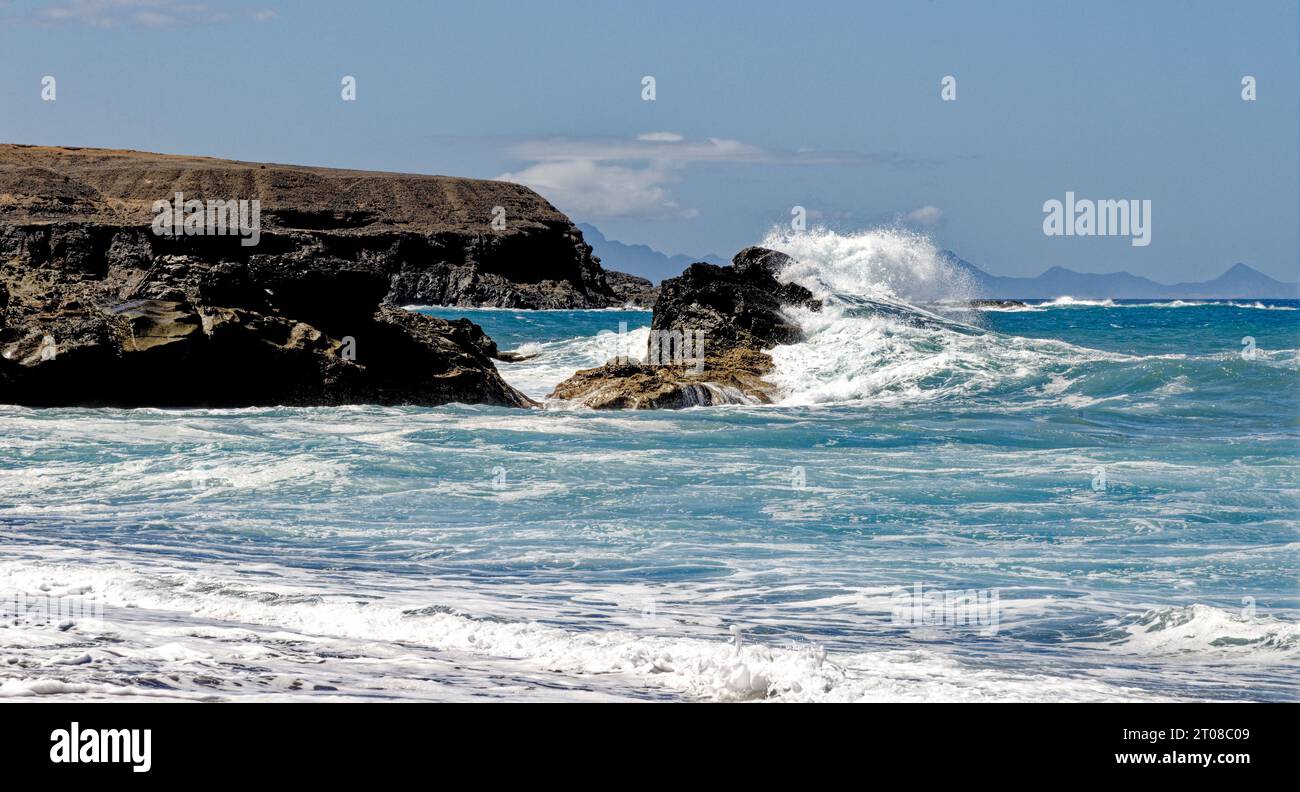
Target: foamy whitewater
{"points": [[1120, 474]]}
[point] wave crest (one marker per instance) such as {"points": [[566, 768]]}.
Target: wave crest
{"points": [[889, 264], [1203, 629]]}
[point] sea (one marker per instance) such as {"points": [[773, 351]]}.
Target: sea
{"points": [[1060, 500]]}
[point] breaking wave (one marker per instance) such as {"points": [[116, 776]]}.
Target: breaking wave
{"points": [[1070, 302], [871, 341], [1067, 301], [890, 264], [305, 636], [1203, 629], [549, 363], [874, 342]]}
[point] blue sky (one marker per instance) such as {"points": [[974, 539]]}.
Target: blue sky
{"points": [[759, 107]]}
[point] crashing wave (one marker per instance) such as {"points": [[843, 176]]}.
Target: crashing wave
{"points": [[895, 328], [873, 342], [1202, 629]]}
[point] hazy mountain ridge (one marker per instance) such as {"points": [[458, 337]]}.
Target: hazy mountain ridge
{"points": [[641, 260], [1239, 282]]}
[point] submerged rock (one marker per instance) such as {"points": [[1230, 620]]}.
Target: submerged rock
{"points": [[97, 308], [997, 303], [710, 328], [731, 378]]}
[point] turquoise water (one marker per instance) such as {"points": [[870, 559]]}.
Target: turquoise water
{"points": [[469, 552]]}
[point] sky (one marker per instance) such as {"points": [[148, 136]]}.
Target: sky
{"points": [[758, 107]]}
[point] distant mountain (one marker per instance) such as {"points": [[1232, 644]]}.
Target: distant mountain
{"points": [[638, 259], [1238, 283]]}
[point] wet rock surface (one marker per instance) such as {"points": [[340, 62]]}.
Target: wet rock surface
{"points": [[98, 309], [634, 291], [710, 328]]}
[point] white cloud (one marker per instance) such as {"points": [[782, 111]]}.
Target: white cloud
{"points": [[666, 147], [149, 13], [610, 177], [592, 189], [672, 147], [926, 215], [155, 19], [107, 13], [661, 137]]}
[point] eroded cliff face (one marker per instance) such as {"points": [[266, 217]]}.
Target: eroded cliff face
{"points": [[98, 307], [442, 240]]}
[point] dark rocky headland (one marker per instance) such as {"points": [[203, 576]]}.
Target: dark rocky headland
{"points": [[97, 308], [737, 311]]}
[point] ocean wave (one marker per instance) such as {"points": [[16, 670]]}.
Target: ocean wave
{"points": [[1062, 302], [1072, 302], [883, 264], [1069, 302], [1259, 306], [1066, 301], [851, 358], [227, 638], [872, 342], [1204, 629], [550, 363], [1009, 308]]}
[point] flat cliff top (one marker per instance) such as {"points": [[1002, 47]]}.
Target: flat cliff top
{"points": [[52, 184]]}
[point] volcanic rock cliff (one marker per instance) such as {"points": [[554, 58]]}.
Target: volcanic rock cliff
{"points": [[710, 328], [98, 307]]}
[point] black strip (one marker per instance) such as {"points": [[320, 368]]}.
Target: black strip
{"points": [[215, 743]]}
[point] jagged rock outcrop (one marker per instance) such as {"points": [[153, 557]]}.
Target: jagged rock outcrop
{"points": [[98, 308], [634, 291], [707, 339], [546, 267], [740, 306]]}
